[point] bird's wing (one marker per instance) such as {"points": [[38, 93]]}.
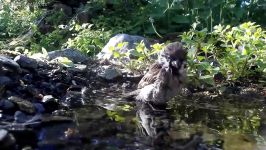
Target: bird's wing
{"points": [[151, 76]]}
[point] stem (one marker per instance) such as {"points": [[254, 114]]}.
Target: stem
{"points": [[245, 64], [155, 30]]}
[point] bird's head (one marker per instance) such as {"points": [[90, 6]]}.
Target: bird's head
{"points": [[173, 56]]}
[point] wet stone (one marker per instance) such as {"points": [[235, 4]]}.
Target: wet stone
{"points": [[61, 87], [32, 91], [50, 103], [2, 90], [73, 97], [39, 107], [56, 119], [6, 105], [26, 62], [23, 105], [28, 78], [24, 136], [48, 98], [7, 140], [4, 80], [27, 120], [80, 80], [78, 68], [46, 87], [21, 117], [63, 112]]}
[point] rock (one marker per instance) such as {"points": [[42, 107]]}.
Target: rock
{"points": [[39, 108], [23, 105], [29, 120], [2, 90], [24, 136], [32, 91], [80, 80], [111, 74], [61, 87], [50, 103], [7, 140], [85, 93], [27, 78], [56, 119], [41, 59], [48, 98], [10, 64], [78, 68], [131, 41], [4, 80], [74, 55], [63, 112], [73, 97], [21, 117], [6, 105], [26, 62], [27, 148]]}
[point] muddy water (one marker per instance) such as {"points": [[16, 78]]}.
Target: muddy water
{"points": [[182, 124]]}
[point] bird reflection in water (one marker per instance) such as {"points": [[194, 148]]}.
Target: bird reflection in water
{"points": [[154, 125]]}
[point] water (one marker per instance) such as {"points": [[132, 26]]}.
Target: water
{"points": [[230, 124]]}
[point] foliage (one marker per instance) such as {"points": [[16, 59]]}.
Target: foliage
{"points": [[50, 41], [120, 16], [176, 15], [139, 58], [86, 39], [236, 52], [116, 116], [244, 48], [15, 19], [160, 17]]}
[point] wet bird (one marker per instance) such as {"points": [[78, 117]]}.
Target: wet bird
{"points": [[165, 77]]}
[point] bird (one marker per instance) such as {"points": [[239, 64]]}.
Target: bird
{"points": [[165, 77]]}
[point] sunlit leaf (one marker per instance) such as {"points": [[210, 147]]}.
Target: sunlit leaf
{"points": [[65, 61]]}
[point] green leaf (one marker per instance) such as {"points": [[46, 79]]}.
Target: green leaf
{"points": [[121, 45], [65, 61], [181, 19], [207, 79], [116, 54], [244, 52]]}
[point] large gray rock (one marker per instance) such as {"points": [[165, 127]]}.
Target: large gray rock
{"points": [[74, 55], [26, 62], [131, 42]]}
